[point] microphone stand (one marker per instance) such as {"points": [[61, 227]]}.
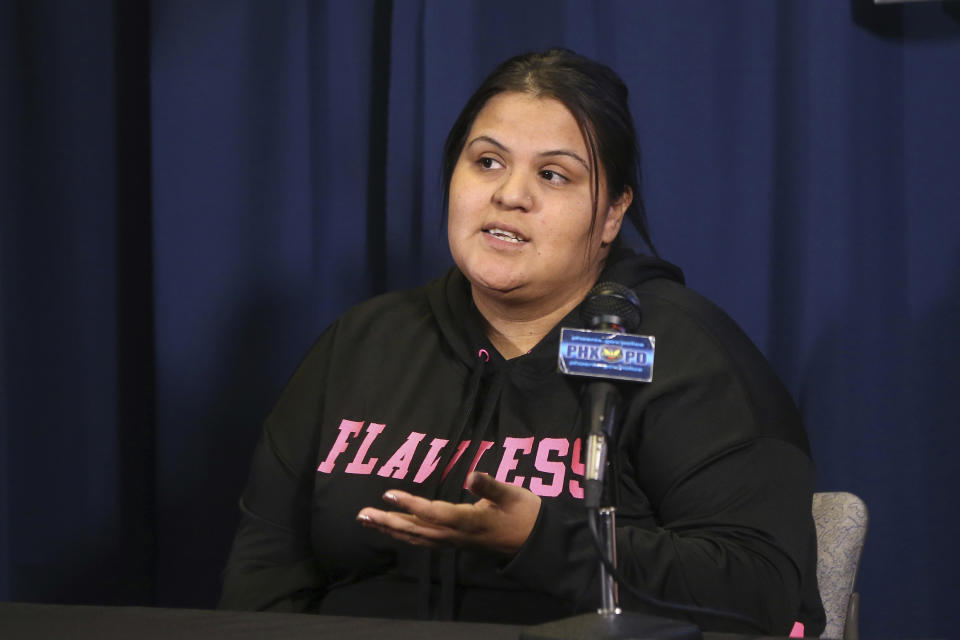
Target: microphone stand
{"points": [[609, 622], [605, 522]]}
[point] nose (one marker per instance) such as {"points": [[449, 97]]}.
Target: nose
{"points": [[515, 191]]}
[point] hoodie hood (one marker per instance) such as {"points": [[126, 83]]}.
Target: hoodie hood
{"points": [[462, 325]]}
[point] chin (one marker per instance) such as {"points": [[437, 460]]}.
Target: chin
{"points": [[493, 277], [498, 286]]}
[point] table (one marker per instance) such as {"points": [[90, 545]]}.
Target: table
{"points": [[23, 621]]}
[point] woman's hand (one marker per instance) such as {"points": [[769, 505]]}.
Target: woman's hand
{"points": [[501, 520]]}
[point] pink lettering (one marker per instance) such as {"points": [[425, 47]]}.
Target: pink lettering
{"points": [[550, 460], [399, 463], [365, 468], [482, 449], [576, 468], [430, 462], [348, 429], [509, 460], [555, 468], [456, 456]]}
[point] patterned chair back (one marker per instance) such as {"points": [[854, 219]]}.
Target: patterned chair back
{"points": [[841, 523]]}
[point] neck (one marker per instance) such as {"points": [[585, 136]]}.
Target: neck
{"points": [[516, 328]]}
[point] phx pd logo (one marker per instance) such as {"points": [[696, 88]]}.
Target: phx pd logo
{"points": [[611, 353], [602, 354]]}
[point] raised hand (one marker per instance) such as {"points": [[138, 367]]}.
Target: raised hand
{"points": [[500, 521]]}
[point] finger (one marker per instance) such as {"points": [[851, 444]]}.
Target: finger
{"points": [[439, 512], [403, 524], [399, 535], [484, 486]]}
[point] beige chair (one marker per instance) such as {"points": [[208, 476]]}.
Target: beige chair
{"points": [[841, 523]]}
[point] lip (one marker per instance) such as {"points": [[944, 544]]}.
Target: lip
{"points": [[505, 227]]}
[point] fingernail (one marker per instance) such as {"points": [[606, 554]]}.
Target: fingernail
{"points": [[362, 517], [389, 496]]}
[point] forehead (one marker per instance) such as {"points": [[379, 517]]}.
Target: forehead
{"points": [[529, 123]]}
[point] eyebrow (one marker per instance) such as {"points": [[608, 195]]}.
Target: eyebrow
{"points": [[556, 152]]}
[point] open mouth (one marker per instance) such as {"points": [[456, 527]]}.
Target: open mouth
{"points": [[503, 234]]}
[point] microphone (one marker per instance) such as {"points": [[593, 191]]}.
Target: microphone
{"points": [[611, 308], [606, 350]]}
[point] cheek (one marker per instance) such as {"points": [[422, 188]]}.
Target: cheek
{"points": [[457, 217], [569, 233], [459, 205]]}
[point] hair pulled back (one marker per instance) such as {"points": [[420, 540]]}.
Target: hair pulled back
{"points": [[595, 96]]}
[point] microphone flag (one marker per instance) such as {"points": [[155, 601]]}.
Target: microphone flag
{"points": [[606, 354]]}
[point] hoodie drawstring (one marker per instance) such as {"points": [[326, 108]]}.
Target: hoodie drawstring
{"points": [[448, 557], [448, 566]]}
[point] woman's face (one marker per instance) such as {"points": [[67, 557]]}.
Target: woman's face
{"points": [[521, 204]]}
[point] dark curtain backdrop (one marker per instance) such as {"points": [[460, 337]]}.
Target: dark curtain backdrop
{"points": [[191, 191]]}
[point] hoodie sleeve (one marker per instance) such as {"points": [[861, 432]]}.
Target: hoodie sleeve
{"points": [[710, 552], [715, 481], [271, 564]]}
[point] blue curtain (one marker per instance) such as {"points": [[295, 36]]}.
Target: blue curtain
{"points": [[191, 191]]}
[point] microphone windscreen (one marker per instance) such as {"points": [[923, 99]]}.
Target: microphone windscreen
{"points": [[611, 303]]}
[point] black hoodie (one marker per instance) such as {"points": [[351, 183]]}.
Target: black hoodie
{"points": [[405, 391]]}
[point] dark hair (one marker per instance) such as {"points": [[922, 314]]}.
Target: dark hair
{"points": [[597, 98]]}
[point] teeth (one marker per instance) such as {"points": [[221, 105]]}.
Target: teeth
{"points": [[504, 235]]}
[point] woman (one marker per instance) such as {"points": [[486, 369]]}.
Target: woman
{"points": [[425, 460]]}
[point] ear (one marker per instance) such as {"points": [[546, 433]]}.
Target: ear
{"points": [[614, 218]]}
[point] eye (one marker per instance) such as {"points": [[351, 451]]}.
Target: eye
{"points": [[554, 177], [486, 162]]}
